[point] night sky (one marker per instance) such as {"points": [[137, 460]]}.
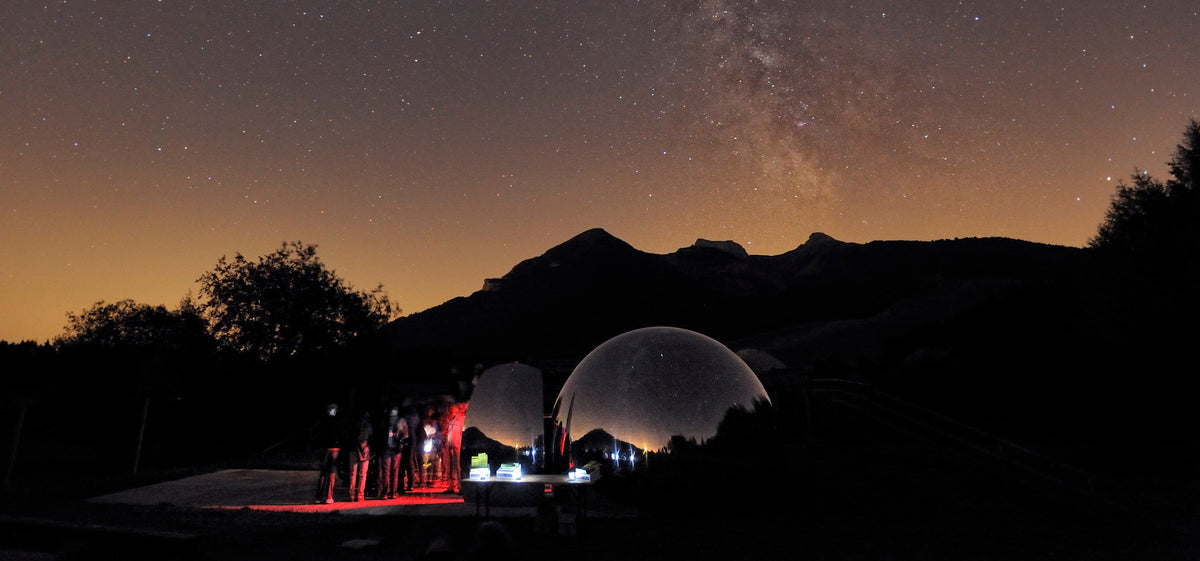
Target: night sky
{"points": [[430, 145]]}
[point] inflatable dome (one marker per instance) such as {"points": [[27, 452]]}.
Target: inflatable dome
{"points": [[504, 418], [650, 394], [504, 426]]}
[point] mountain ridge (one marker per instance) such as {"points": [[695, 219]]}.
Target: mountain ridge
{"points": [[1000, 333], [594, 286]]}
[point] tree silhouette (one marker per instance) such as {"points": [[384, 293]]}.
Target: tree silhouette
{"points": [[1156, 222], [130, 325], [287, 303], [1185, 162]]}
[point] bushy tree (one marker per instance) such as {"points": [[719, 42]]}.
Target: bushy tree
{"points": [[1185, 162], [1136, 219], [1157, 222], [127, 324], [287, 303]]}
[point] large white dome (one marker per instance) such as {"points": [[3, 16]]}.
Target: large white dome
{"points": [[648, 386]]}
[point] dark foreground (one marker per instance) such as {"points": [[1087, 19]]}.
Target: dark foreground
{"points": [[870, 503], [169, 533]]}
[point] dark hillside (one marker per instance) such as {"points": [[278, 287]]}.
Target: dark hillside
{"points": [[1038, 343], [594, 286], [560, 304]]}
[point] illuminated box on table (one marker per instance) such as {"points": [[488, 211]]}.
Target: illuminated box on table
{"points": [[509, 471], [579, 475], [479, 460]]}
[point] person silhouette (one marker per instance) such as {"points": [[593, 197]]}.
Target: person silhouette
{"points": [[390, 445], [415, 462], [360, 458], [327, 436]]}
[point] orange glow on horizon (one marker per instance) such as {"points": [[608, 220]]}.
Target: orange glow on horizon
{"points": [[428, 152]]}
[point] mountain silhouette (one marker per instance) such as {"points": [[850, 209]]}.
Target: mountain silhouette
{"points": [[594, 286], [1040, 343]]}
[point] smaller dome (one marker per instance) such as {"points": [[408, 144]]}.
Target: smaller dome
{"points": [[504, 421], [504, 418]]}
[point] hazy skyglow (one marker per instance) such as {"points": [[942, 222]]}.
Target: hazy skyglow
{"points": [[429, 145]]}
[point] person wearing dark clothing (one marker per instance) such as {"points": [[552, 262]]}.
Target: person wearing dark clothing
{"points": [[404, 461], [360, 459], [416, 459], [452, 420], [327, 437], [388, 480]]}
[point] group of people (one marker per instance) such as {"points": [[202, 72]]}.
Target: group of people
{"points": [[405, 452]]}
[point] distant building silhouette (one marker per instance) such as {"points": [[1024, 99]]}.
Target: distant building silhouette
{"points": [[492, 285]]}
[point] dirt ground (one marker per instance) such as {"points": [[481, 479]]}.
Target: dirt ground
{"points": [[166, 532], [882, 505], [844, 500]]}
